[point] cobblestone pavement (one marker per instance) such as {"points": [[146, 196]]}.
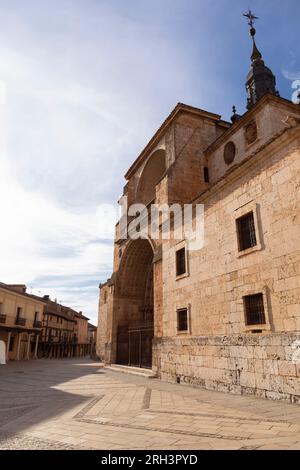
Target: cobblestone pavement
{"points": [[77, 404]]}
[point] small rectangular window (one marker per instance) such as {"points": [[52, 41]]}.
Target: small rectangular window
{"points": [[182, 319], [19, 312], [104, 297], [180, 262], [254, 309], [206, 174], [246, 231]]}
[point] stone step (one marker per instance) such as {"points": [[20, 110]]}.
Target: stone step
{"points": [[148, 373]]}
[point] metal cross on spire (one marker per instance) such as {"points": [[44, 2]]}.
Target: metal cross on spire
{"points": [[251, 18]]}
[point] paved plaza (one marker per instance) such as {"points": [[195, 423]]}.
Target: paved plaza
{"points": [[78, 404]]}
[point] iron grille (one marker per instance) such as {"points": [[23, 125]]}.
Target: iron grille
{"points": [[246, 231], [254, 309], [180, 262], [2, 318], [20, 321]]}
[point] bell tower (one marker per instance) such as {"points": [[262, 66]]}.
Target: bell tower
{"points": [[260, 79]]}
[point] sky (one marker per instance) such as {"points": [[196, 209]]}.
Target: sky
{"points": [[84, 84]]}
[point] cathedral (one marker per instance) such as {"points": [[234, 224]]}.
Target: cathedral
{"points": [[225, 316]]}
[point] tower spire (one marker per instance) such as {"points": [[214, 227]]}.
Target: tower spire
{"points": [[260, 79]]}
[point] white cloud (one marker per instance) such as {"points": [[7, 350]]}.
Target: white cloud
{"points": [[38, 239]]}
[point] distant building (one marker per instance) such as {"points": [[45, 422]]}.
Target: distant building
{"points": [[92, 338], [21, 316], [64, 333]]}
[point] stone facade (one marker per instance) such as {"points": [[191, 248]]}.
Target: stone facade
{"points": [[219, 348]]}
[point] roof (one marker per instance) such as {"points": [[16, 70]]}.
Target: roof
{"points": [[79, 315], [231, 172], [54, 308], [241, 122], [92, 327], [180, 107], [23, 294]]}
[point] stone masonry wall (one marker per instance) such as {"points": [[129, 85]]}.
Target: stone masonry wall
{"points": [[267, 366], [220, 351]]}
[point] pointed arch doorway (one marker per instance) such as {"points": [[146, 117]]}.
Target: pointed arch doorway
{"points": [[134, 312]]}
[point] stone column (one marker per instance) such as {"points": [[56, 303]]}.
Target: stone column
{"points": [[19, 345], [36, 346], [28, 347], [7, 346]]}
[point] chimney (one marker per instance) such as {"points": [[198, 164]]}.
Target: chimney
{"points": [[18, 287]]}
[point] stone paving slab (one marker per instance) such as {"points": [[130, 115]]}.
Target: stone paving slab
{"points": [[77, 404]]}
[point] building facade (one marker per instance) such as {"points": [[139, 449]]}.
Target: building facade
{"points": [[21, 317], [225, 316], [64, 332]]}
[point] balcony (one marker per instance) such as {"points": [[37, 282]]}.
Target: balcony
{"points": [[37, 324], [2, 318], [20, 321]]}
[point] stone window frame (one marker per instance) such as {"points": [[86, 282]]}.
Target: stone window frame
{"points": [[186, 307], [264, 327], [232, 145], [251, 122], [179, 246], [244, 210]]}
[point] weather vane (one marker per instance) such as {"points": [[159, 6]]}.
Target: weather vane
{"points": [[251, 18]]}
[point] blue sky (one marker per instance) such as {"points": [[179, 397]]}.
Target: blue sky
{"points": [[83, 86]]}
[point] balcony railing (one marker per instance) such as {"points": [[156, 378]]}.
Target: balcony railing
{"points": [[2, 318], [37, 324], [20, 321]]}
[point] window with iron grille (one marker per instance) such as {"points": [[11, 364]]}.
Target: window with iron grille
{"points": [[246, 231], [180, 262], [254, 309], [182, 319]]}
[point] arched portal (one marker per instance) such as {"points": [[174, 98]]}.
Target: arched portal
{"points": [[153, 171], [134, 309]]}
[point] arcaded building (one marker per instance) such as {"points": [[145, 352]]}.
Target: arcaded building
{"points": [[225, 316]]}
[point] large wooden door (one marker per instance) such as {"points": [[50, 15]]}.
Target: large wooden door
{"points": [[134, 346], [122, 345], [140, 345]]}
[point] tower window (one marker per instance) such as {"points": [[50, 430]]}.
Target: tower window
{"points": [[180, 262], [246, 231], [206, 174], [182, 319], [254, 309]]}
